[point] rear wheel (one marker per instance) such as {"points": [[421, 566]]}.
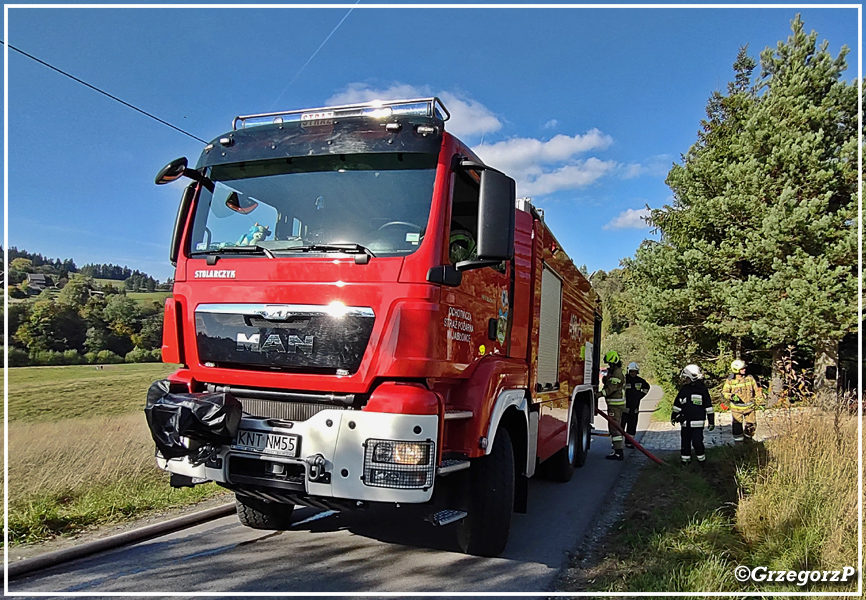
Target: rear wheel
{"points": [[560, 466], [259, 514], [484, 532], [584, 434]]}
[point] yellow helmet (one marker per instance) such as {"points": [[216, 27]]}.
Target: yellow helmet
{"points": [[737, 365], [611, 357]]}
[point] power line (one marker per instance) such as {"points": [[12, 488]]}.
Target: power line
{"points": [[155, 118], [309, 60]]}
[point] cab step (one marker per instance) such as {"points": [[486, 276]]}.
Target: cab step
{"points": [[447, 516], [452, 465]]}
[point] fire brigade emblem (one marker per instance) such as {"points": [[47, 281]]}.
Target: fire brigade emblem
{"points": [[575, 331]]}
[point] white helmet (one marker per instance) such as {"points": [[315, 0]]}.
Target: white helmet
{"points": [[632, 366], [737, 365], [691, 372]]}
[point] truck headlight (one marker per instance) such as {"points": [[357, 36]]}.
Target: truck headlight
{"points": [[401, 453], [394, 464]]}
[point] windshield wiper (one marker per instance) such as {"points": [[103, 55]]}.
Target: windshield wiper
{"points": [[347, 248], [257, 249]]}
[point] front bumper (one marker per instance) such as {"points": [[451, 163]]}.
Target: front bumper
{"points": [[331, 458]]}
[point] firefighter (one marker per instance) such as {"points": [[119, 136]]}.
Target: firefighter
{"points": [[691, 407], [615, 398], [741, 392], [636, 388]]}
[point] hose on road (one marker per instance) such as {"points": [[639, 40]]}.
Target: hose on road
{"points": [[617, 427]]}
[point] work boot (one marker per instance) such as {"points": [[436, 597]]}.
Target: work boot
{"points": [[615, 455]]}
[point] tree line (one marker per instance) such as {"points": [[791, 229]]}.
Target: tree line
{"points": [[757, 253], [75, 319]]}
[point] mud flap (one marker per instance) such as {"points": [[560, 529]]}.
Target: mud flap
{"points": [[190, 425]]}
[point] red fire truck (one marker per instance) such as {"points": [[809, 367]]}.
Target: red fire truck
{"points": [[390, 323]]}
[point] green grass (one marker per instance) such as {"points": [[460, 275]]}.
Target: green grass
{"points": [[58, 393], [147, 297], [789, 505], [48, 515]]}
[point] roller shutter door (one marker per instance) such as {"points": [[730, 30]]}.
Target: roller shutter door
{"points": [[549, 329]]}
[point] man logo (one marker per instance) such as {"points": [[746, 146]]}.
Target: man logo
{"points": [[275, 343]]}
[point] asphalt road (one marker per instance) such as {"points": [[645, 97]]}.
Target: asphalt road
{"points": [[370, 551]]}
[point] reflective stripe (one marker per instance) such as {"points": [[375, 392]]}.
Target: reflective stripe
{"points": [[616, 438], [676, 408], [697, 399], [738, 438], [702, 457], [710, 410], [615, 401], [696, 423], [628, 386], [686, 459]]}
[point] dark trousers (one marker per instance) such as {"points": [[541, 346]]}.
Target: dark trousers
{"points": [[629, 419], [689, 437]]}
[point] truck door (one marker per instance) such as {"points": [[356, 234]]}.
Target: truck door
{"points": [[483, 298]]}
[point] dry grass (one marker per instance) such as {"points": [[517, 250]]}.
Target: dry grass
{"points": [[80, 453], [787, 504], [65, 477], [799, 511]]}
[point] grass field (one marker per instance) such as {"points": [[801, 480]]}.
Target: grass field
{"points": [[80, 391], [80, 453]]}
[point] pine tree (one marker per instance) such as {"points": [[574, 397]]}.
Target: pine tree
{"points": [[758, 250]]}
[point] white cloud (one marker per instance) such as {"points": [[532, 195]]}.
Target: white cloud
{"points": [[539, 167], [468, 117], [630, 219], [654, 166]]}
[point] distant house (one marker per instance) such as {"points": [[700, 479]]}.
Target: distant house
{"points": [[38, 282]]}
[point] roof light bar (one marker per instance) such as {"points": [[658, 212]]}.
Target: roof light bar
{"points": [[430, 107]]}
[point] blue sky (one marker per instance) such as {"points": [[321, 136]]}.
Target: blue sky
{"points": [[586, 107]]}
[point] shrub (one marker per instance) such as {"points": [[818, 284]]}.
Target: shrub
{"points": [[139, 355], [107, 357], [18, 357], [90, 358], [71, 357]]}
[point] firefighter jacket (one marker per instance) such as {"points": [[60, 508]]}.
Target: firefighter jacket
{"points": [[692, 405], [614, 383], [741, 392], [635, 389]]}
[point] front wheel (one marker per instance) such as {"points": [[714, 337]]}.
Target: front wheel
{"points": [[259, 514], [484, 532]]}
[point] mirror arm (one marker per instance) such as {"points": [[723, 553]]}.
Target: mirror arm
{"points": [[196, 176], [469, 265]]}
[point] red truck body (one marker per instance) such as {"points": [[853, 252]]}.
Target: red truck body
{"points": [[328, 350]]}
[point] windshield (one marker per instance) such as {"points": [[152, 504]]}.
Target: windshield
{"points": [[380, 202]]}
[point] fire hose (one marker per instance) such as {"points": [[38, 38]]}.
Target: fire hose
{"points": [[617, 427]]}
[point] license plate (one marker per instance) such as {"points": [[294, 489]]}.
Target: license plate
{"points": [[267, 443]]}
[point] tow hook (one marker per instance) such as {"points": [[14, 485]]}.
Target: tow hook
{"points": [[317, 471]]}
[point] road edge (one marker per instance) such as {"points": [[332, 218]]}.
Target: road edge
{"points": [[50, 559]]}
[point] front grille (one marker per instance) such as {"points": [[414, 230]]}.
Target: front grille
{"points": [[287, 411], [294, 338]]}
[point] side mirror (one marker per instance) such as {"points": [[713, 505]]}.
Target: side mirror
{"points": [[496, 208], [172, 171], [177, 169]]}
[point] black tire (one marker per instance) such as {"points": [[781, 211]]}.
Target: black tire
{"points": [[584, 434], [484, 532], [560, 466], [259, 514]]}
